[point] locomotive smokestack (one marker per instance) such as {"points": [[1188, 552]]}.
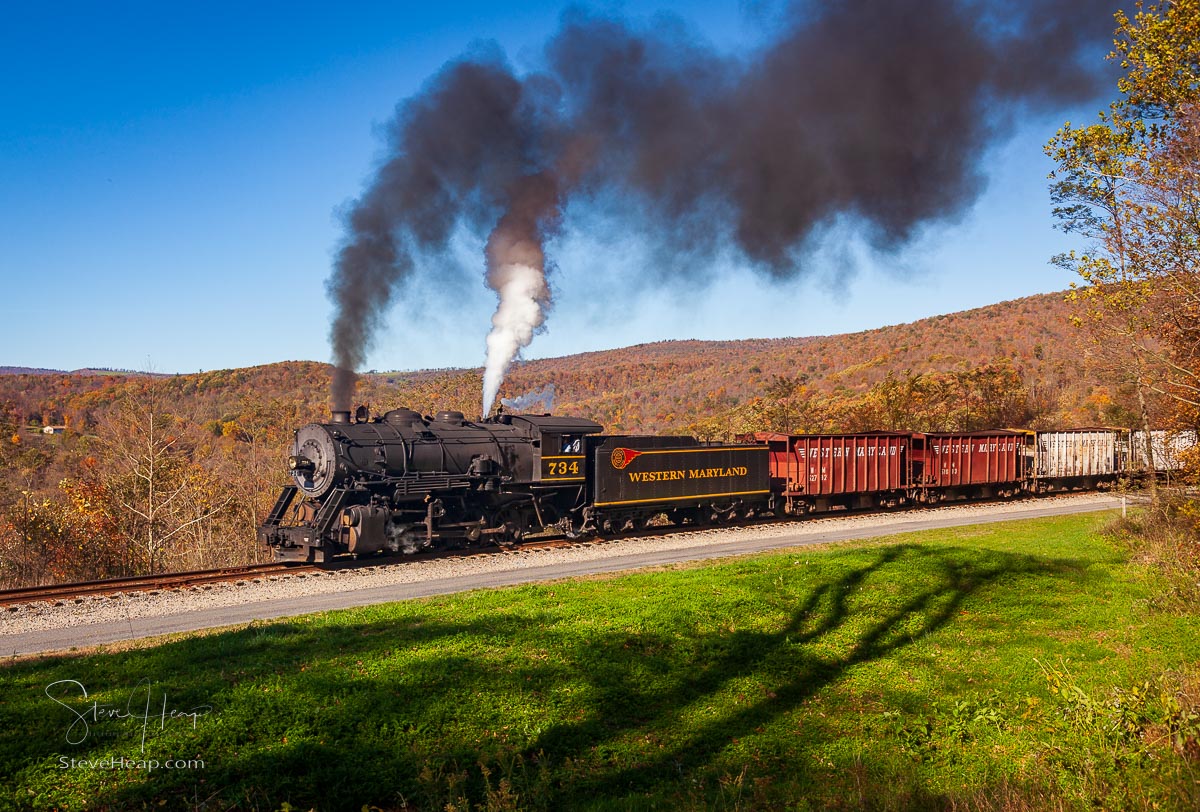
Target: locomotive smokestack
{"points": [[339, 417], [342, 384]]}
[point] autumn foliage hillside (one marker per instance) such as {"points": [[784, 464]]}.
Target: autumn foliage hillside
{"points": [[671, 385], [664, 386], [1026, 352]]}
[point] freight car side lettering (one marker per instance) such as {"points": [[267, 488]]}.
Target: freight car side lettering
{"points": [[838, 453], [691, 473], [965, 448]]}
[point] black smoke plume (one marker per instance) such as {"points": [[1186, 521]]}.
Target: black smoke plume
{"points": [[876, 112]]}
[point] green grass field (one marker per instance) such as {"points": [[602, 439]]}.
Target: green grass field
{"points": [[1018, 666]]}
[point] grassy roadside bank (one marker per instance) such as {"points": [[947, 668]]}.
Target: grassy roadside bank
{"points": [[1011, 666]]}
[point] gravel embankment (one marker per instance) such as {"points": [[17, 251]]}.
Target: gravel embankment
{"points": [[122, 610]]}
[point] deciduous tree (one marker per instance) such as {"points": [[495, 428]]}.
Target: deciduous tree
{"points": [[150, 489], [1130, 185]]}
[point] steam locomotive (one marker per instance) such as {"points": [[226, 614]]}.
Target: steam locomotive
{"points": [[403, 482]]}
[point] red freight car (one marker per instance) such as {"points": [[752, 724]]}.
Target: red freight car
{"points": [[981, 463], [832, 471]]}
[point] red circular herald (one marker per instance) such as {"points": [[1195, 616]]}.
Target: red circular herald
{"points": [[623, 456]]}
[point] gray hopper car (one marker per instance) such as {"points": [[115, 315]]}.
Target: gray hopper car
{"points": [[1079, 458]]}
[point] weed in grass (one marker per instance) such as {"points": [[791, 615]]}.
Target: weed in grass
{"points": [[1143, 725], [914, 736], [501, 797], [968, 714], [1119, 719], [442, 786], [1180, 695]]}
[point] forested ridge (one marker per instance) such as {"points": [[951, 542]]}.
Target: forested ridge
{"points": [[664, 386], [687, 385]]}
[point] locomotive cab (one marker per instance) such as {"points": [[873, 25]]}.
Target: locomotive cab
{"points": [[558, 446]]}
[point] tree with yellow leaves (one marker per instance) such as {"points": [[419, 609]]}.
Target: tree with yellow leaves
{"points": [[1130, 184]]}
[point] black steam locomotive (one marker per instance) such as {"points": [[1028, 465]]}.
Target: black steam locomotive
{"points": [[403, 482]]}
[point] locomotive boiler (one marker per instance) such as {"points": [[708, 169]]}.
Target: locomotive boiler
{"points": [[402, 481]]}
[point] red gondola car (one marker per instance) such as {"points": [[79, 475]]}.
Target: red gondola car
{"points": [[959, 464], [832, 471]]}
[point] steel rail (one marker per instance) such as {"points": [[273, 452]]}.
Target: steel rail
{"points": [[144, 583]]}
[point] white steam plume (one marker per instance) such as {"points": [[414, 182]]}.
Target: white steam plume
{"points": [[524, 299]]}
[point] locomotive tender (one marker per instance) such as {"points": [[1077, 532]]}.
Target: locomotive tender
{"points": [[404, 482]]}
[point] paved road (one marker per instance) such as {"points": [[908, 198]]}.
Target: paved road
{"points": [[96, 634]]}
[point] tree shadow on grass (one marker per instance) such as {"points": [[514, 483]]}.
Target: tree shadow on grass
{"points": [[339, 713], [820, 616]]}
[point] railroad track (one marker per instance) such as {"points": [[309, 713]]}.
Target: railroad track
{"points": [[61, 593], [75, 592]]}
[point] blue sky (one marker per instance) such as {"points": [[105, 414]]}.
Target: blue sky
{"points": [[170, 177]]}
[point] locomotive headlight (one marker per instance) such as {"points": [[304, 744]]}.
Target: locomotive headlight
{"points": [[298, 463]]}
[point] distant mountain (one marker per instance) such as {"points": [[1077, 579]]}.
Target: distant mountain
{"points": [[663, 386], [89, 371], [30, 371]]}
